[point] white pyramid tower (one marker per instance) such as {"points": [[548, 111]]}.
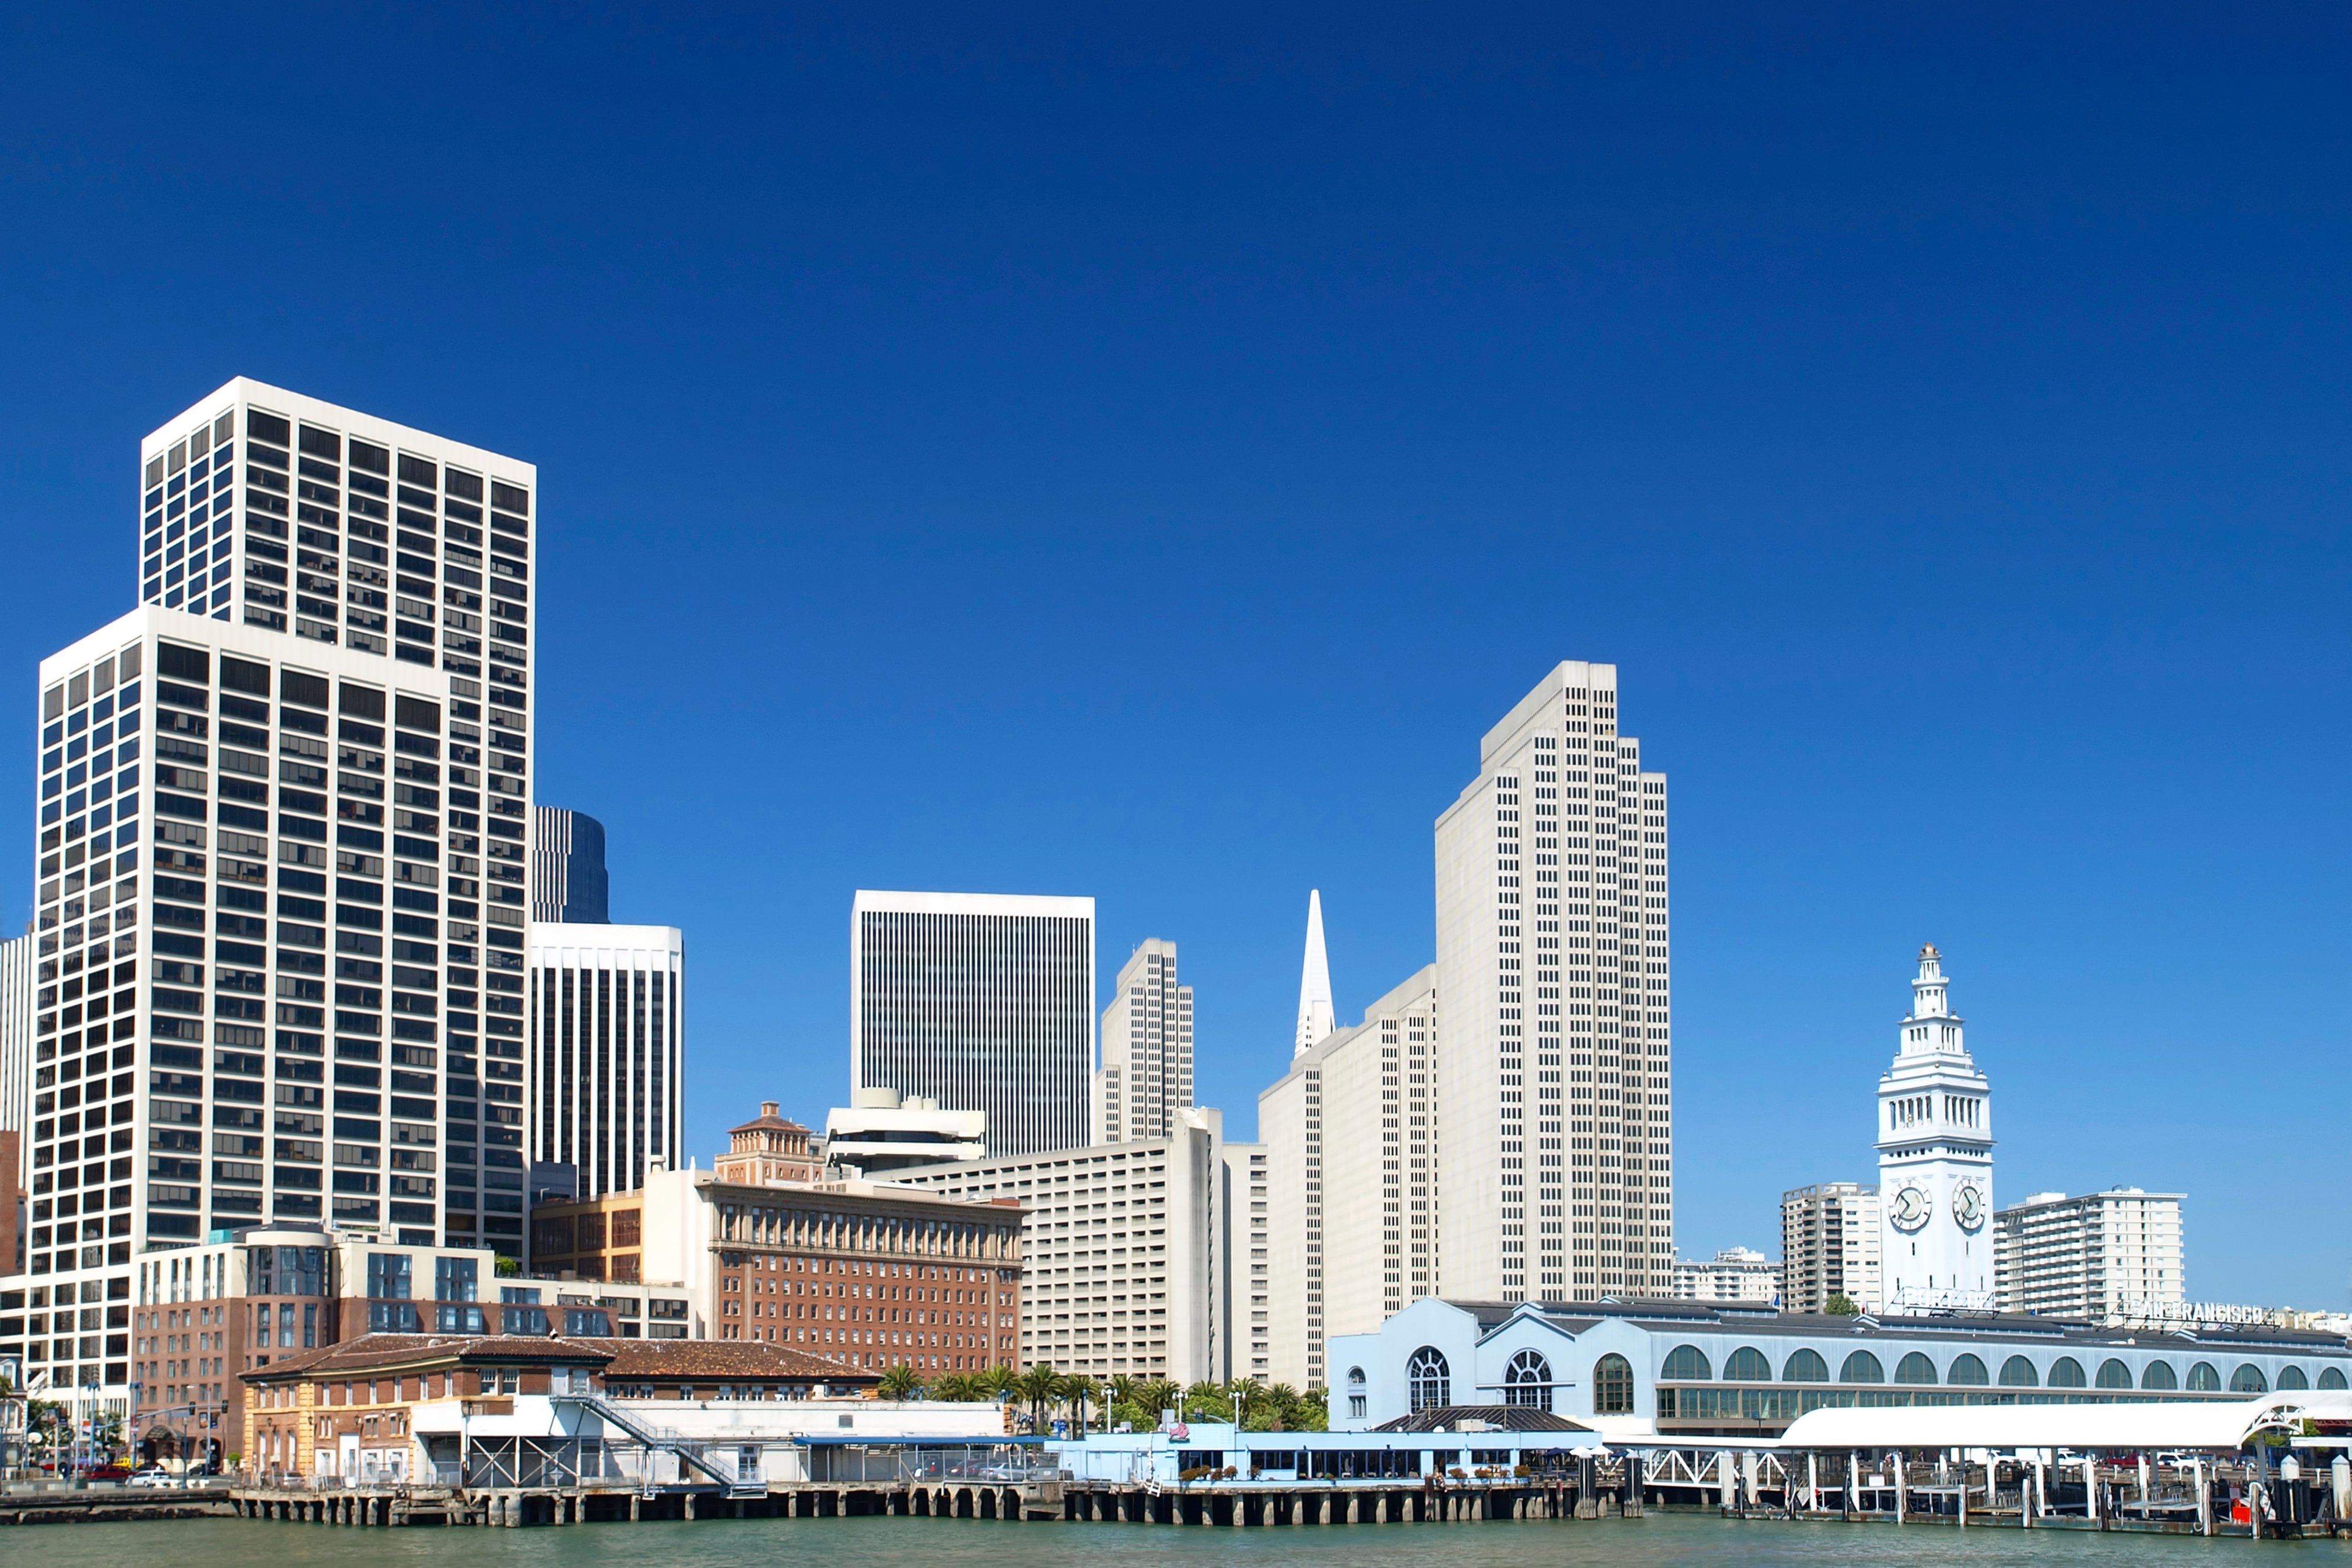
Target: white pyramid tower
{"points": [[1315, 1016]]}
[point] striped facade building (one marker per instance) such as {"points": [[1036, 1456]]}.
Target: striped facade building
{"points": [[607, 1057], [981, 1002]]}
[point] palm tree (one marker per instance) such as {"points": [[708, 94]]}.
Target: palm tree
{"points": [[958, 1388], [1208, 1402], [1155, 1395], [1038, 1388], [1282, 1404], [900, 1383], [1314, 1410], [1078, 1390], [997, 1380]]}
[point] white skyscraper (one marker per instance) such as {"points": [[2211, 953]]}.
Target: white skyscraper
{"points": [[1147, 1050], [2104, 1255], [279, 851], [1828, 1247], [1315, 1017], [981, 1002], [1351, 1136], [607, 1059], [1554, 1067], [1935, 1160]]}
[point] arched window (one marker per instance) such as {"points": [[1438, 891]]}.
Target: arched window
{"points": [[1428, 1380], [1914, 1368], [1805, 1366], [2203, 1379], [1968, 1370], [2158, 1374], [2292, 1378], [1746, 1365], [2249, 1379], [1528, 1381], [1355, 1377], [1612, 1386], [1862, 1367], [2113, 1374], [2331, 1377], [2018, 1373], [2066, 1372], [1687, 1364]]}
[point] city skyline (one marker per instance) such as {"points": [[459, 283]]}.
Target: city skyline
{"points": [[1952, 472]]}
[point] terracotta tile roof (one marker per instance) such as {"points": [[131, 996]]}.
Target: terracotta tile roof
{"points": [[643, 1359], [383, 1352], [661, 1359]]}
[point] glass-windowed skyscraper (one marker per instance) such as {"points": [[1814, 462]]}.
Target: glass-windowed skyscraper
{"points": [[280, 850], [983, 1002]]}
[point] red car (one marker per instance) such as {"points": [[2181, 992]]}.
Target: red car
{"points": [[107, 1473]]}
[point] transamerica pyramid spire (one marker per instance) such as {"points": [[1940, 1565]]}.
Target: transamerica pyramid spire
{"points": [[1315, 1017]]}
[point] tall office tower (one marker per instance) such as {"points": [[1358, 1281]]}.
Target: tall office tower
{"points": [[1555, 1082], [2111, 1256], [1147, 1050], [1315, 1016], [1244, 1299], [17, 967], [567, 867], [249, 1030], [607, 1059], [1351, 1135], [1828, 1247], [1934, 1159], [983, 1002]]}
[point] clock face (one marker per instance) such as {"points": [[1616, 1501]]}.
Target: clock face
{"points": [[1910, 1210], [1968, 1206]]}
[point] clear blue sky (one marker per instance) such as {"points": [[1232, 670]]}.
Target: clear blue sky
{"points": [[1030, 456]]}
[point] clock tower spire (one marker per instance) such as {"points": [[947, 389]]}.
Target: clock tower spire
{"points": [[1935, 1160]]}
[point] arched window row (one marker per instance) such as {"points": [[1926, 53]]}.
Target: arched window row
{"points": [[1688, 1363]]}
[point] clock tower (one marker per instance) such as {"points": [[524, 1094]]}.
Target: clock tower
{"points": [[1935, 1161]]}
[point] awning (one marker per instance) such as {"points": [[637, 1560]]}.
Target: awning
{"points": [[2218, 1425]]}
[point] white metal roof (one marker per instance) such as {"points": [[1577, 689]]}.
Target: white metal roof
{"points": [[2218, 1425]]}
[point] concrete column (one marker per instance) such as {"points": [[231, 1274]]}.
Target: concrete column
{"points": [[634, 1516], [690, 1505], [2204, 1498]]}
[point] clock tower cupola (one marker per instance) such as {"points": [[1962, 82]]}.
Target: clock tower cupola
{"points": [[1935, 1160]]}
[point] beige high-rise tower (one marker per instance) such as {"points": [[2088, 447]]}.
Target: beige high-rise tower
{"points": [[1554, 1062], [1146, 1075]]}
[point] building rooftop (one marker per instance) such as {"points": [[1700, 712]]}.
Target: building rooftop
{"points": [[639, 1359], [1472, 1418], [1760, 1320]]}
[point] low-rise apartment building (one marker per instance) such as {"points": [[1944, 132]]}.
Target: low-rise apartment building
{"points": [[391, 1406]]}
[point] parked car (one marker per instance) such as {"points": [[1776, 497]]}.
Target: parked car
{"points": [[154, 1476], [107, 1473]]}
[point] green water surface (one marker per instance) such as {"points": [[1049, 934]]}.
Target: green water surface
{"points": [[1661, 1540]]}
